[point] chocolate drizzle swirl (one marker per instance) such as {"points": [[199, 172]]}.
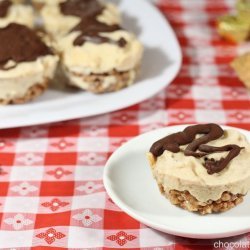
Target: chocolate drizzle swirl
{"points": [[28, 48], [211, 132], [213, 166], [81, 8], [4, 7], [90, 32], [89, 27]]}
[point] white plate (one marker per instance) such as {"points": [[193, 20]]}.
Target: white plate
{"points": [[129, 182], [161, 63]]}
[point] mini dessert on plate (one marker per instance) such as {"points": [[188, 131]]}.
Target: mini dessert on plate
{"points": [[241, 66], [26, 64], [18, 13], [106, 66], [98, 55], [63, 15], [203, 168]]}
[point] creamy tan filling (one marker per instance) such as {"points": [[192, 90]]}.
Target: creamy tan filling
{"points": [[101, 58], [15, 82], [19, 14], [179, 172]]}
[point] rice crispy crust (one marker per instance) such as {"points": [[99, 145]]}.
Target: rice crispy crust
{"points": [[32, 93], [188, 202], [96, 82]]}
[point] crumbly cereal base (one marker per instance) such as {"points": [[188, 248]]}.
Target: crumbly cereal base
{"points": [[31, 94], [188, 202], [96, 82]]}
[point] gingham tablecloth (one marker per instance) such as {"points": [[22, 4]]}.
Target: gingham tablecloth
{"points": [[51, 189]]}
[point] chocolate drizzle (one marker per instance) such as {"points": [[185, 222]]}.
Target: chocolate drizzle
{"points": [[211, 132], [213, 166], [81, 8], [4, 7], [90, 32], [89, 27], [28, 48]]}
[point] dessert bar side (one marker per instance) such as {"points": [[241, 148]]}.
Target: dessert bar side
{"points": [[24, 73], [203, 168], [97, 55]]}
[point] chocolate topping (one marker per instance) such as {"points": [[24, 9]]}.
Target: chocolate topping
{"points": [[213, 166], [173, 142], [20, 44], [211, 132], [4, 7], [81, 8], [89, 27]]}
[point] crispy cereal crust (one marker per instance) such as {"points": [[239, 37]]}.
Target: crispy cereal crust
{"points": [[31, 94], [188, 202], [96, 82]]}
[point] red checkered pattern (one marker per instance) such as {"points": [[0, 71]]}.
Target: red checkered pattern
{"points": [[51, 190]]}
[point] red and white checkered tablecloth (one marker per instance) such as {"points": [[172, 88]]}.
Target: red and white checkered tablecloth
{"points": [[51, 190]]}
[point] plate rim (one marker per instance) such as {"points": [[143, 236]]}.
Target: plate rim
{"points": [[177, 232], [18, 121]]}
